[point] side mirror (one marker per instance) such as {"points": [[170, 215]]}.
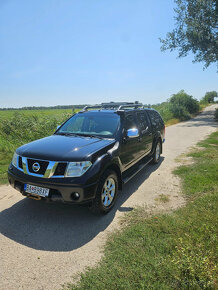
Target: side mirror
{"points": [[132, 133], [58, 126]]}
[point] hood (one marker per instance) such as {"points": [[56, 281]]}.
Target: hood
{"points": [[64, 148]]}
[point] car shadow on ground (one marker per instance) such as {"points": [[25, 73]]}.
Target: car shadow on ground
{"points": [[61, 227]]}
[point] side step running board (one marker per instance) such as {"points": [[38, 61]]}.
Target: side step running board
{"points": [[141, 166]]}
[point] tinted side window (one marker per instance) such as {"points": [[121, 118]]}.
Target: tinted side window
{"points": [[152, 117], [159, 119], [142, 119], [130, 122], [156, 120]]}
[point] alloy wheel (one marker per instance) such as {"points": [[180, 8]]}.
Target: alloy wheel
{"points": [[108, 192]]}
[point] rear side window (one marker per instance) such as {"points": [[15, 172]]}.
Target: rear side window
{"points": [[156, 119], [142, 119]]}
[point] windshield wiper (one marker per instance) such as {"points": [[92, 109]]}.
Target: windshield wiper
{"points": [[86, 135], [79, 134], [89, 135], [66, 134]]}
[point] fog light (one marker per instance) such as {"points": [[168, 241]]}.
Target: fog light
{"points": [[75, 195]]}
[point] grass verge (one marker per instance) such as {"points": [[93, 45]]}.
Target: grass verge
{"points": [[177, 250]]}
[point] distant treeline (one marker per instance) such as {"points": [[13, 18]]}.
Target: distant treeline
{"points": [[45, 108]]}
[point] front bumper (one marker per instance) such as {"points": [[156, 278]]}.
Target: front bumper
{"points": [[61, 189]]}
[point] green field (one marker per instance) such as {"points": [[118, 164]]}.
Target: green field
{"points": [[5, 114], [18, 127], [167, 251]]}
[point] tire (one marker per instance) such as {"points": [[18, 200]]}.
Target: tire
{"points": [[105, 198], [156, 154]]}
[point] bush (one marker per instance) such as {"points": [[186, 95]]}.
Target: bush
{"points": [[180, 112], [183, 105], [164, 110], [184, 100]]}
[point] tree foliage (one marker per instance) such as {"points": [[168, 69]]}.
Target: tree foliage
{"points": [[210, 96], [195, 30], [183, 105]]}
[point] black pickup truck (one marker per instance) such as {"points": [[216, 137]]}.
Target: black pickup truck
{"points": [[90, 156]]}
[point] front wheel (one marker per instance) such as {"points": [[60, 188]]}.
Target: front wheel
{"points": [[106, 193], [157, 151]]}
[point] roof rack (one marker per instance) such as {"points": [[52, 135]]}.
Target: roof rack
{"points": [[91, 107], [114, 105]]}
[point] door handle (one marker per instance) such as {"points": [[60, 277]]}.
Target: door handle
{"points": [[124, 140]]}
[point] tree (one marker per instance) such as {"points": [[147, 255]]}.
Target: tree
{"points": [[183, 105], [184, 100], [209, 96], [195, 30]]}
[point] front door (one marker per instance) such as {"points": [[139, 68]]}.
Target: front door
{"points": [[129, 153]]}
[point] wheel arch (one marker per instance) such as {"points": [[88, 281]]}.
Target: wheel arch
{"points": [[114, 167], [156, 139], [161, 144]]}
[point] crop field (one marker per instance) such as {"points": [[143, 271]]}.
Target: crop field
{"points": [[39, 113], [18, 127]]}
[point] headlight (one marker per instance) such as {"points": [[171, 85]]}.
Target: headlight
{"points": [[75, 169], [14, 159]]}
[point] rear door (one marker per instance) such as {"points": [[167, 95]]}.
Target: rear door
{"points": [[146, 137], [157, 122]]}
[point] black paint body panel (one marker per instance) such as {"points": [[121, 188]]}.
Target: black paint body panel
{"points": [[119, 153]]}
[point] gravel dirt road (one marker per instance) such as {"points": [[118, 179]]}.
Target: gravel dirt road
{"points": [[42, 245]]}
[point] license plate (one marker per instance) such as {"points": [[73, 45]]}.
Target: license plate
{"points": [[44, 192]]}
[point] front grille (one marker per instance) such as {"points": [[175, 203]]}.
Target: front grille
{"points": [[60, 169], [20, 164], [43, 166]]}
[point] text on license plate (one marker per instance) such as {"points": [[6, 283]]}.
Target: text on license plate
{"points": [[44, 192]]}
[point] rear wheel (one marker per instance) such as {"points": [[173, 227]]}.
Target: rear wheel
{"points": [[157, 152], [106, 193]]}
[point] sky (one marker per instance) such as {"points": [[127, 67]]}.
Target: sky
{"points": [[63, 52]]}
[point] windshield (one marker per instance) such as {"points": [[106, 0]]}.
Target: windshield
{"points": [[91, 124]]}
